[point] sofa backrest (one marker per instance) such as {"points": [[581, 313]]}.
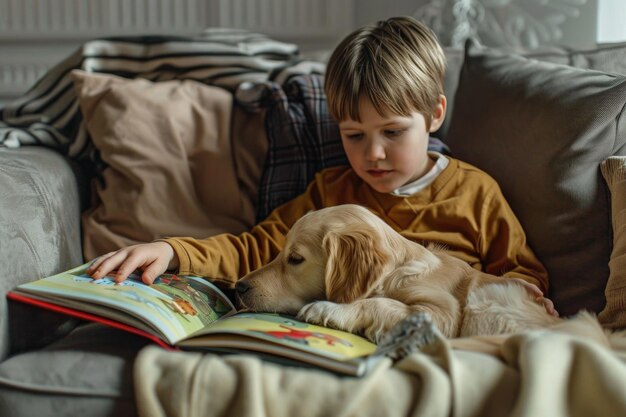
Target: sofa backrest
{"points": [[607, 57]]}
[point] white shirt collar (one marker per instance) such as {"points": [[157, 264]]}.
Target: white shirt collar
{"points": [[441, 162]]}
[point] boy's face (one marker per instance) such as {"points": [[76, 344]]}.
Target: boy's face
{"points": [[389, 151]]}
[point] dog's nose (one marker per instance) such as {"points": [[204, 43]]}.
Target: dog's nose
{"points": [[242, 286]]}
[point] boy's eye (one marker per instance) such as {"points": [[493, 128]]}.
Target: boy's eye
{"points": [[351, 134], [393, 132], [295, 259], [354, 136]]}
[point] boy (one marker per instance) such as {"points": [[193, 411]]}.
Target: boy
{"points": [[384, 85]]}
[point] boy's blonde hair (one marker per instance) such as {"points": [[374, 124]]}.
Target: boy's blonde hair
{"points": [[397, 64]]}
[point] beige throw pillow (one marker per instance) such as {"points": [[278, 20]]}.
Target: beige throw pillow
{"points": [[614, 314], [170, 164]]}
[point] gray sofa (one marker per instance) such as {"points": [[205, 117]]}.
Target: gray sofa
{"points": [[52, 365]]}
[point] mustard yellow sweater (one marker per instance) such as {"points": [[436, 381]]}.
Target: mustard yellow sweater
{"points": [[462, 209]]}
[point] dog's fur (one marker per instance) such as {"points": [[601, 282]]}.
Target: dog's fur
{"points": [[343, 267]]}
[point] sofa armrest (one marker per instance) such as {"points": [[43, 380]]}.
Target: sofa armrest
{"points": [[39, 229]]}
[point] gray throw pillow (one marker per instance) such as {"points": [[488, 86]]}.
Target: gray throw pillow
{"points": [[607, 57], [541, 130]]}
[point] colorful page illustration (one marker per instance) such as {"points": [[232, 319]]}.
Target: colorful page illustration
{"points": [[175, 305], [302, 336]]}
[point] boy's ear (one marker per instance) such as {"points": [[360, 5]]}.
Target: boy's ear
{"points": [[439, 113]]}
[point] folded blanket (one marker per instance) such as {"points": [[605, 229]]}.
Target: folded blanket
{"points": [[49, 115], [571, 370]]}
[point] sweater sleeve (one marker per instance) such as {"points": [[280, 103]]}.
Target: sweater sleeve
{"points": [[227, 257], [503, 244]]}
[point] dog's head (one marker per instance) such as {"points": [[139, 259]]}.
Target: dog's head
{"points": [[337, 253]]}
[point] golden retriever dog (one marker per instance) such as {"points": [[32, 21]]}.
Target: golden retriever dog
{"points": [[343, 267]]}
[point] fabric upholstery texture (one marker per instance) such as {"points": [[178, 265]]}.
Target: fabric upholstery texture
{"points": [[249, 143], [609, 58], [572, 370], [170, 169], [39, 221], [303, 139], [541, 130], [88, 373], [614, 314]]}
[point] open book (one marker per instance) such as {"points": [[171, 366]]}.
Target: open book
{"points": [[190, 313]]}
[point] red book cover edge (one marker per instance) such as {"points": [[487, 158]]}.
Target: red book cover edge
{"points": [[88, 316]]}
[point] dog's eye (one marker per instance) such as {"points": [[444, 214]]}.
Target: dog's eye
{"points": [[295, 259]]}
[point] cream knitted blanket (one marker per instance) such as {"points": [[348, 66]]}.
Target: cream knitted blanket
{"points": [[573, 369]]}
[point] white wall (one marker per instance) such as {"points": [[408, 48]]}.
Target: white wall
{"points": [[611, 20]]}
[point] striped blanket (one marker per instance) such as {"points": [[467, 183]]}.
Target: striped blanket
{"points": [[49, 115]]}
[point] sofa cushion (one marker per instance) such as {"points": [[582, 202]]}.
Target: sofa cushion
{"points": [[454, 60], [608, 57], [170, 163], [39, 224], [249, 142], [614, 313], [541, 130], [87, 373]]}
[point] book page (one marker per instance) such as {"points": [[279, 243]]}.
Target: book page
{"points": [[175, 306], [288, 332]]}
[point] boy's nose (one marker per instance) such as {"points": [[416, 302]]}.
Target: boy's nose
{"points": [[375, 151]]}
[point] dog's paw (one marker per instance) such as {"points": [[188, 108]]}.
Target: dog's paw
{"points": [[336, 316], [377, 331], [318, 312], [374, 334]]}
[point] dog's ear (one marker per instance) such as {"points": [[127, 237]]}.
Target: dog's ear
{"points": [[356, 260]]}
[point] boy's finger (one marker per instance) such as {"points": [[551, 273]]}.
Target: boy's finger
{"points": [[530, 288], [97, 262], [152, 272], [125, 269], [100, 272], [550, 307], [107, 265]]}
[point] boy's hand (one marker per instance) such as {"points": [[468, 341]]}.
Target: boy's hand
{"points": [[152, 259], [537, 294]]}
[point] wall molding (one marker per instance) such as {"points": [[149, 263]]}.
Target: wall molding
{"points": [[36, 34], [16, 78], [29, 20], [296, 19]]}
